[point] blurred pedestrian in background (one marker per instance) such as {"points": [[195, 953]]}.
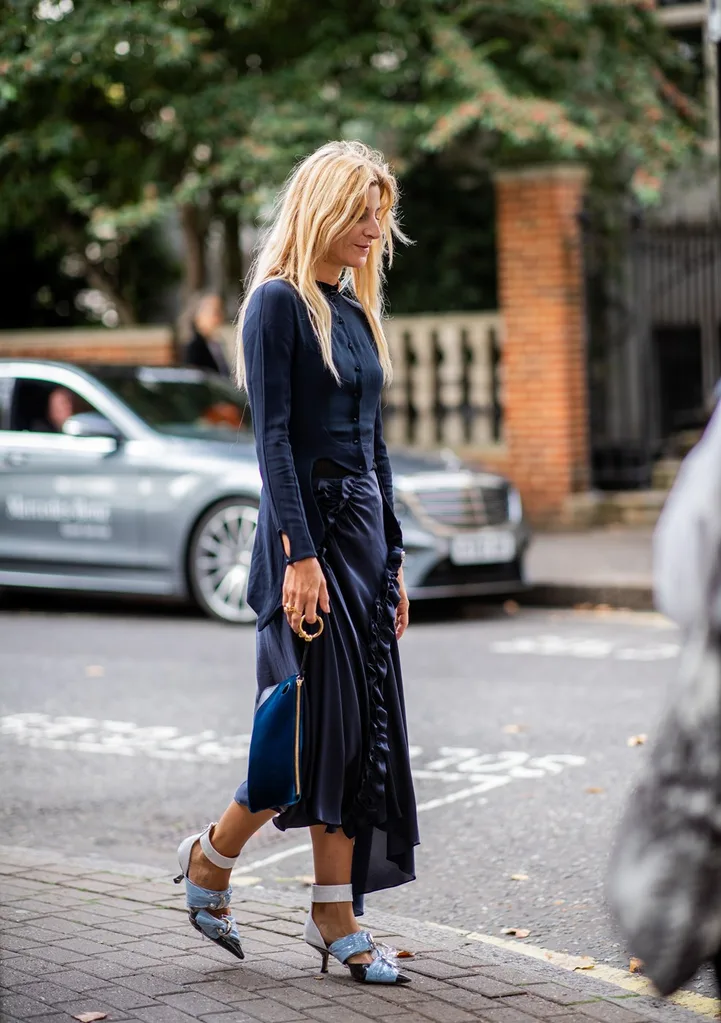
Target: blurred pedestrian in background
{"points": [[314, 359], [205, 349], [665, 878]]}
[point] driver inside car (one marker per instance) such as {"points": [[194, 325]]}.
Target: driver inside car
{"points": [[59, 409], [221, 413]]}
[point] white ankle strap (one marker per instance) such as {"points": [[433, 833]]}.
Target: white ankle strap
{"points": [[331, 893], [218, 860]]}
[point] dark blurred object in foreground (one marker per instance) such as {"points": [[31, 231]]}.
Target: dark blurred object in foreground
{"points": [[664, 885]]}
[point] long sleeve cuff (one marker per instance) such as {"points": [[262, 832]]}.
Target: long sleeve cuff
{"points": [[300, 548]]}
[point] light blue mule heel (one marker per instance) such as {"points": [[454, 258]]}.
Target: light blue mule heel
{"points": [[382, 970], [220, 929]]}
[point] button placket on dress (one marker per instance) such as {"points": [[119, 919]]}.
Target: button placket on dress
{"points": [[356, 417], [358, 388]]}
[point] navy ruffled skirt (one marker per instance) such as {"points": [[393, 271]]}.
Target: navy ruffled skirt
{"points": [[355, 765]]}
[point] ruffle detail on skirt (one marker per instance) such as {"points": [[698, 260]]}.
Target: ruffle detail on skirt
{"points": [[331, 496], [369, 806]]}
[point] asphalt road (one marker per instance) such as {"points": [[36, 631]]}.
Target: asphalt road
{"points": [[124, 728]]}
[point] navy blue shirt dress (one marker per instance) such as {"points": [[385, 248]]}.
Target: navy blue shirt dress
{"points": [[355, 764]]}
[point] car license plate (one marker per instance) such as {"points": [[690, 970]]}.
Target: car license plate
{"points": [[486, 548]]}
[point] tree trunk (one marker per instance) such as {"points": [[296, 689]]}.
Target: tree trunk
{"points": [[75, 240], [194, 231], [97, 279], [233, 257]]}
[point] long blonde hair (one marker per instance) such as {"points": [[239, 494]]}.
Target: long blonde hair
{"points": [[323, 198]]}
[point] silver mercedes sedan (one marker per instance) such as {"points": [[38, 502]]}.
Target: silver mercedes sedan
{"points": [[144, 480]]}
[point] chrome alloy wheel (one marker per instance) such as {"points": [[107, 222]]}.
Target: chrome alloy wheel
{"points": [[220, 554]]}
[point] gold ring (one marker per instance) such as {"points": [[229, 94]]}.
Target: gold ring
{"points": [[290, 607], [307, 636]]}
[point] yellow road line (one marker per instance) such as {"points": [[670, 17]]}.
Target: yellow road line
{"points": [[702, 1005]]}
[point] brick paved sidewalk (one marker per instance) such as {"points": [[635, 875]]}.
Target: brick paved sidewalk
{"points": [[83, 936]]}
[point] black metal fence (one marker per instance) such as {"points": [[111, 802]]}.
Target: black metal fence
{"points": [[654, 354]]}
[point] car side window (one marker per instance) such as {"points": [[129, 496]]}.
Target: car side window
{"points": [[6, 390], [42, 406]]}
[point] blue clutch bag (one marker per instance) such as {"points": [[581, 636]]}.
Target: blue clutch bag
{"points": [[276, 742]]}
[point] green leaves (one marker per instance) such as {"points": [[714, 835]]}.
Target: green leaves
{"points": [[573, 80], [490, 105], [139, 108]]}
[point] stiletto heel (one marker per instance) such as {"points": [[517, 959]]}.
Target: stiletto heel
{"points": [[381, 971], [315, 939], [220, 929]]}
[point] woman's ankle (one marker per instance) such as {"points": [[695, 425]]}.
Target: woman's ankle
{"points": [[205, 874], [335, 916], [225, 841]]}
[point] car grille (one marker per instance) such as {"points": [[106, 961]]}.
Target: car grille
{"points": [[469, 507]]}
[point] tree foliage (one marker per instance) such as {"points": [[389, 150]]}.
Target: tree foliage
{"points": [[115, 116]]}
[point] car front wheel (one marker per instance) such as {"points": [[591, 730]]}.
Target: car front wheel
{"points": [[219, 559]]}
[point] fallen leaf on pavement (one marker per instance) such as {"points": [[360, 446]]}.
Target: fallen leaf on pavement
{"points": [[594, 790], [515, 932], [95, 671], [90, 1017], [519, 877], [514, 729], [636, 740], [635, 965], [404, 954]]}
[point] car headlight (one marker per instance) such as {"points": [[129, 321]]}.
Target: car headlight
{"points": [[515, 506]]}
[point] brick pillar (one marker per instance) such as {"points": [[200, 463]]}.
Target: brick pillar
{"points": [[544, 358]]}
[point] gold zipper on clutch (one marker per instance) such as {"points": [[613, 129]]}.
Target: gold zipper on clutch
{"points": [[298, 685]]}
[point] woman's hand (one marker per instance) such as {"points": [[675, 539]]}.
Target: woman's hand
{"points": [[304, 588], [403, 607]]}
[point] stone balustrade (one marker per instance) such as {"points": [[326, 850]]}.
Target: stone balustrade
{"points": [[446, 388]]}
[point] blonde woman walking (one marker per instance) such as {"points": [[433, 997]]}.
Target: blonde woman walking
{"points": [[328, 555]]}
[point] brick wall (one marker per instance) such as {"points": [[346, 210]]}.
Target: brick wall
{"points": [[544, 361], [136, 345]]}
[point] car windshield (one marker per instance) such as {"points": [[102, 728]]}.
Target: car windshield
{"points": [[183, 402]]}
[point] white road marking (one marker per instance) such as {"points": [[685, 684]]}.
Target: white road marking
{"points": [[432, 804], [123, 738], [596, 649], [275, 858], [514, 762], [478, 772], [453, 797], [452, 764]]}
